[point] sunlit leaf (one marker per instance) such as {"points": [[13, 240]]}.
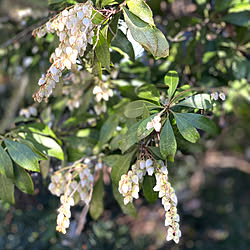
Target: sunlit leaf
{"points": [[186, 129], [200, 101], [168, 144], [22, 155], [23, 180], [6, 167], [141, 9], [149, 37], [171, 79], [135, 109]]}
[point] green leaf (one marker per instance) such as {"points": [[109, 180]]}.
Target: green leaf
{"points": [[130, 138], [186, 129], [149, 37], [200, 122], [239, 18], [200, 101], [44, 144], [142, 10], [122, 45], [148, 184], [96, 206], [7, 189], [108, 2], [112, 27], [39, 128], [97, 17], [149, 92], [102, 50], [121, 167], [171, 79], [23, 180], [39, 154], [136, 108], [142, 130], [168, 144], [22, 155], [110, 160], [108, 128], [6, 167]]}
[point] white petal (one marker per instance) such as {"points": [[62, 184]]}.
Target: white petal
{"points": [[148, 163]]}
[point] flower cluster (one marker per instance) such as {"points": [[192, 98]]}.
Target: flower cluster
{"points": [[102, 92], [169, 201], [64, 213], [216, 96], [129, 188], [75, 30], [73, 184], [155, 123], [28, 112], [129, 183]]}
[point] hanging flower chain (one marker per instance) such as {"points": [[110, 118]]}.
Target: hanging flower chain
{"points": [[129, 188], [75, 30]]}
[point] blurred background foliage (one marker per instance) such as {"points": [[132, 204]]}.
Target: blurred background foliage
{"points": [[210, 48]]}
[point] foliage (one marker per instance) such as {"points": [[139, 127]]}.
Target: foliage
{"points": [[77, 124]]}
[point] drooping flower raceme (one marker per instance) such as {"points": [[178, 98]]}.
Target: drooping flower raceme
{"points": [[129, 188], [75, 30], [129, 183], [169, 201], [75, 181]]}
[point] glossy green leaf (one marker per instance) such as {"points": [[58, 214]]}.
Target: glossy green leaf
{"points": [[113, 27], [23, 180], [239, 18], [130, 138], [7, 189], [149, 37], [149, 92], [39, 154], [200, 101], [108, 128], [22, 155], [110, 160], [96, 206], [200, 122], [6, 167], [97, 17], [186, 129], [171, 79], [148, 184], [44, 144], [168, 143], [102, 51], [142, 130], [108, 2], [122, 45], [136, 108], [141, 9], [39, 128]]}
